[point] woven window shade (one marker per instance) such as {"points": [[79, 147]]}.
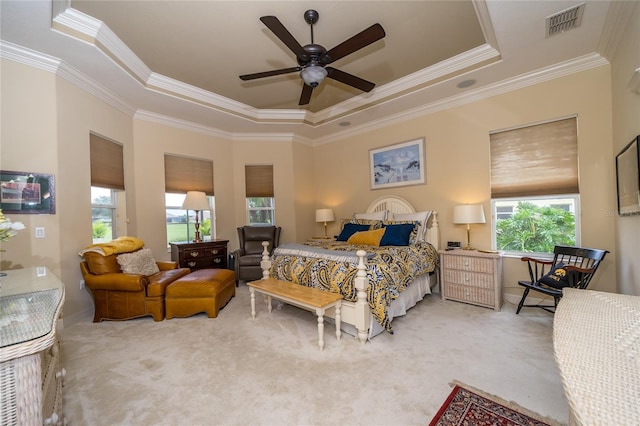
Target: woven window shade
{"points": [[258, 181], [535, 160], [107, 170], [183, 174]]}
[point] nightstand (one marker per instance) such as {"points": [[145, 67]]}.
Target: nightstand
{"points": [[206, 254], [471, 276]]}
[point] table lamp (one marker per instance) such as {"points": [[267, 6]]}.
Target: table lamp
{"points": [[324, 215], [197, 201], [467, 214]]}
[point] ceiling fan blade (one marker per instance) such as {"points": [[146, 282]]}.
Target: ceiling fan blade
{"points": [[350, 79], [269, 73], [355, 43], [305, 97], [285, 36]]}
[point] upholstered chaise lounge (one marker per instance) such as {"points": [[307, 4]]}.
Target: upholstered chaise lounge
{"points": [[121, 296]]}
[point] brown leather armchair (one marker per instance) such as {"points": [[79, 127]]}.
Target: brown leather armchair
{"points": [[120, 296], [249, 255]]}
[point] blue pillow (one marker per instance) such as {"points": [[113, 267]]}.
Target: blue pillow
{"points": [[557, 277], [351, 228], [397, 235]]}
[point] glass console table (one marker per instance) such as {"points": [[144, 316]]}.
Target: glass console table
{"points": [[30, 304]]}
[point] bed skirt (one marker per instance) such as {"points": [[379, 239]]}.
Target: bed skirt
{"points": [[414, 293]]}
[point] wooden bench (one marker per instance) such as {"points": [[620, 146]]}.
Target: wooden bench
{"points": [[312, 299]]}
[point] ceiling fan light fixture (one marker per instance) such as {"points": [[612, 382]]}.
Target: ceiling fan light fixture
{"points": [[313, 75]]}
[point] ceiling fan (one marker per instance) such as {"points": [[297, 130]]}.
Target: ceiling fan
{"points": [[314, 58]]}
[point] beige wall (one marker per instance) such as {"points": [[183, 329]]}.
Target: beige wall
{"points": [[46, 130], [152, 142], [28, 136], [458, 162], [626, 126], [280, 155]]}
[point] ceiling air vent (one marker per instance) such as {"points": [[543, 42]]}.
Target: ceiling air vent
{"points": [[564, 21]]}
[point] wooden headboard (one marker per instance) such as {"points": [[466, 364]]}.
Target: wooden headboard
{"points": [[394, 204]]}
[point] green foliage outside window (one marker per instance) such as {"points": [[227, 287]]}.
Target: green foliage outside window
{"points": [[100, 229], [205, 227], [535, 229]]}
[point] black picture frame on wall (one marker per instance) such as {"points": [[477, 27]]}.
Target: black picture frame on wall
{"points": [[27, 193], [628, 179]]}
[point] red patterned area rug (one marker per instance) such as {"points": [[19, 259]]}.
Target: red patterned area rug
{"points": [[470, 407]]}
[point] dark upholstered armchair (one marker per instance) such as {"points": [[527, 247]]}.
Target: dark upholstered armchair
{"points": [[249, 255]]}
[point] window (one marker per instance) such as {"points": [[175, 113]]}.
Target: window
{"points": [[260, 211], [107, 188], [534, 187], [259, 193], [182, 228], [103, 214], [183, 174], [535, 224]]}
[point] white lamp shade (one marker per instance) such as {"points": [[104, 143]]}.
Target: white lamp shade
{"points": [[324, 215], [313, 75], [196, 200], [468, 213]]}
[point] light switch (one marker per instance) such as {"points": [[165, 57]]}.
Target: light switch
{"points": [[39, 232]]}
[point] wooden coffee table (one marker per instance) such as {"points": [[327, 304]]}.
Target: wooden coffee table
{"points": [[312, 299]]}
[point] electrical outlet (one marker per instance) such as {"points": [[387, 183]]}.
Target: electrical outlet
{"points": [[81, 284], [39, 232]]}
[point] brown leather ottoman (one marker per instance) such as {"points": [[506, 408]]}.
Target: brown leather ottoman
{"points": [[204, 290]]}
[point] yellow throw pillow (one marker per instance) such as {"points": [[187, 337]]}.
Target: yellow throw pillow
{"points": [[368, 238]]}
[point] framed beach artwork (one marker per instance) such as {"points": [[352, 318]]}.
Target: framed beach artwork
{"points": [[397, 165], [26, 192], [628, 179]]}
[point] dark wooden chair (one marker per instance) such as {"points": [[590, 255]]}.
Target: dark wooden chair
{"points": [[570, 267]]}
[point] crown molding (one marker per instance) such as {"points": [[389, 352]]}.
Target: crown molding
{"points": [[617, 20], [418, 79], [90, 30], [209, 131], [63, 70], [484, 18], [28, 57], [553, 72], [177, 123], [81, 81]]}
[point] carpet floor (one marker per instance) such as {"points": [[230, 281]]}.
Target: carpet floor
{"points": [[233, 370]]}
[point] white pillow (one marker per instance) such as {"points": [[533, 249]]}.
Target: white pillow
{"points": [[421, 217], [139, 262], [371, 216]]}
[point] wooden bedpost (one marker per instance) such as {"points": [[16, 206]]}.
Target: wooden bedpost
{"points": [[265, 263], [433, 232], [363, 314]]}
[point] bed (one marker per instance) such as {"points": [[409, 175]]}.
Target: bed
{"points": [[377, 283]]}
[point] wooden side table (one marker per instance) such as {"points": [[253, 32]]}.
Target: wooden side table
{"points": [[472, 277], [204, 255]]}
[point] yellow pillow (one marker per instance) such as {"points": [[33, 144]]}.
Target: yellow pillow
{"points": [[368, 238]]}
